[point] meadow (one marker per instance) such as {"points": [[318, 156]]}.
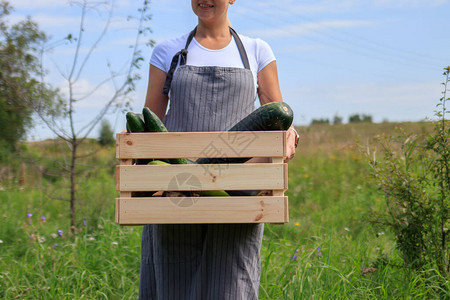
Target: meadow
{"points": [[328, 250]]}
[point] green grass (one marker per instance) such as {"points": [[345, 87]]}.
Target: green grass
{"points": [[338, 254]]}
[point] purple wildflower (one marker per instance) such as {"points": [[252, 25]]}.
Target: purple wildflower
{"points": [[297, 250], [60, 232], [319, 253], [84, 222], [54, 246], [294, 257], [43, 218], [29, 215], [29, 222], [31, 237]]}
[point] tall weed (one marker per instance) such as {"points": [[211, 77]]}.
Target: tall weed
{"points": [[413, 173]]}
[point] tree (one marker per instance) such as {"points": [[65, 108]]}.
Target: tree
{"points": [[320, 121], [337, 120], [21, 91], [123, 82], [106, 135]]}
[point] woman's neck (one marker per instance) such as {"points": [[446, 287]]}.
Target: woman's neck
{"points": [[213, 37]]}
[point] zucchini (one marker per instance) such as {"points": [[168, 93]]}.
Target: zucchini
{"points": [[271, 116]]}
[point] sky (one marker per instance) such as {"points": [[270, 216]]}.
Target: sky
{"points": [[383, 58]]}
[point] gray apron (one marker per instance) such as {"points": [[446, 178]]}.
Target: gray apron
{"points": [[203, 261]]}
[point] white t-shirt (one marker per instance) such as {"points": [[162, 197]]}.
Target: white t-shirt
{"points": [[259, 54]]}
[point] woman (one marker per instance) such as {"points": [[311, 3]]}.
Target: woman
{"points": [[210, 77]]}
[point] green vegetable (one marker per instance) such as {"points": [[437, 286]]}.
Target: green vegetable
{"points": [[271, 116], [134, 122], [153, 123]]}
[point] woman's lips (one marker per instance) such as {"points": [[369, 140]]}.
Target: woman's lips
{"points": [[205, 6]]}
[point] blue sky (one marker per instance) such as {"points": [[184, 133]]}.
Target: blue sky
{"points": [[381, 57]]}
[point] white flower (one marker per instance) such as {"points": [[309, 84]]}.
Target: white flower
{"points": [[114, 243], [1, 242], [346, 229], [91, 238]]}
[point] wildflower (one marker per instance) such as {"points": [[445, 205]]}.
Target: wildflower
{"points": [[319, 253], [91, 238], [114, 243], [41, 239], [84, 222], [297, 250], [29, 222], [297, 224], [54, 235], [294, 257], [31, 237], [380, 233], [54, 246], [346, 229], [100, 226], [43, 218], [1, 241], [60, 232], [29, 215]]}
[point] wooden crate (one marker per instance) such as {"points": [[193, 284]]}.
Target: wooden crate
{"points": [[132, 180]]}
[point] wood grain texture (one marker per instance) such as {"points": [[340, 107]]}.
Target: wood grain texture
{"points": [[175, 210], [207, 144], [202, 177]]}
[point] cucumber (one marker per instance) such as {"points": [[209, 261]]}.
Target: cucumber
{"points": [[134, 122], [271, 116], [152, 123]]}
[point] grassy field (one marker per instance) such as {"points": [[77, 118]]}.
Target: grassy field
{"points": [[328, 250]]}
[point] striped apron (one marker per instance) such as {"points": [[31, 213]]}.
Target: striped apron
{"points": [[203, 261]]}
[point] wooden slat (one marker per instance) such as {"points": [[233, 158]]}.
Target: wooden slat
{"points": [[161, 210], [201, 144], [117, 211], [202, 177]]}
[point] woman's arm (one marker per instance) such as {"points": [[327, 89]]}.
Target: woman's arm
{"points": [[155, 99], [269, 91]]}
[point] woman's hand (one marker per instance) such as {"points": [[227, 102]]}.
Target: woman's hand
{"points": [[291, 138]]}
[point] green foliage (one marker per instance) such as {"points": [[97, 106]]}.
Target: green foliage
{"points": [[337, 120], [320, 121], [356, 118], [20, 89], [413, 173], [106, 135]]}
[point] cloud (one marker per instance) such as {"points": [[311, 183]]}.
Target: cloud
{"points": [[31, 4], [299, 29], [410, 3]]}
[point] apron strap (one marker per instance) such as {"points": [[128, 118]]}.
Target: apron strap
{"points": [[241, 49], [181, 57]]}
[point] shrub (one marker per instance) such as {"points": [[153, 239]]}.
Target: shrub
{"points": [[413, 173], [106, 136]]}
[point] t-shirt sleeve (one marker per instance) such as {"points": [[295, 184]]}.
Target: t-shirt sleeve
{"points": [[159, 57], [264, 54]]}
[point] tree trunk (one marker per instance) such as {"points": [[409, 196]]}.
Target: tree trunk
{"points": [[72, 186]]}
